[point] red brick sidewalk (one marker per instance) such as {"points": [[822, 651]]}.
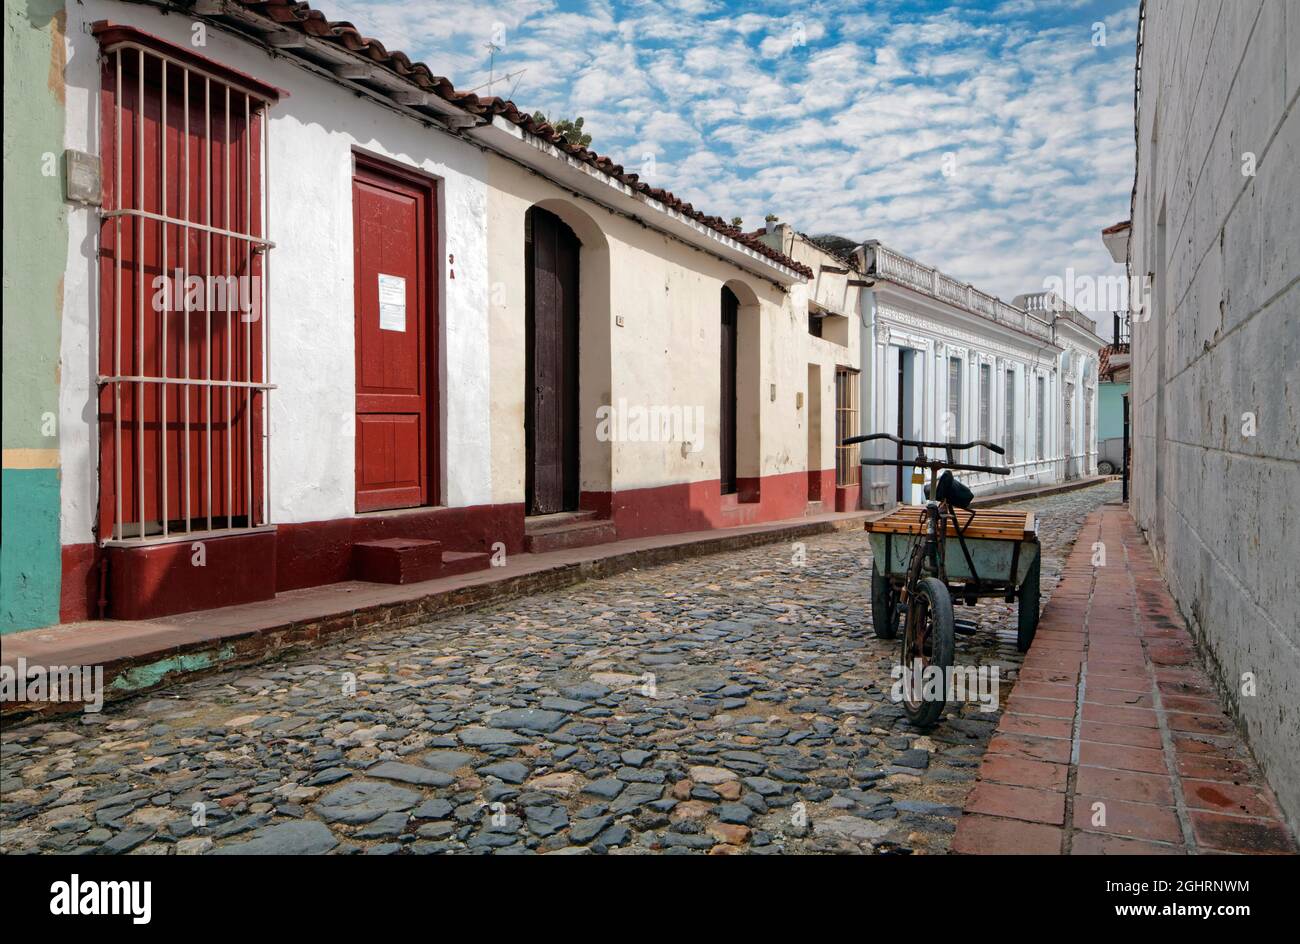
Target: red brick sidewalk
{"points": [[1113, 740]]}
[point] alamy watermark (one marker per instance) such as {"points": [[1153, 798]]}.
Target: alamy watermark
{"points": [[653, 423], [213, 293], [53, 683], [971, 683], [1099, 294]]}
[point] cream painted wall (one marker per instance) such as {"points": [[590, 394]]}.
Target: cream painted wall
{"points": [[665, 352]]}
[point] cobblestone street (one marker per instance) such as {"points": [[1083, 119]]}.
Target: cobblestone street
{"points": [[733, 703]]}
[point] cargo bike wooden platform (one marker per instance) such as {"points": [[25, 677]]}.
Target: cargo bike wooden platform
{"points": [[925, 557]]}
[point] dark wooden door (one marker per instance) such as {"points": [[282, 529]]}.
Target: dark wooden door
{"points": [[392, 219], [551, 402], [727, 408]]}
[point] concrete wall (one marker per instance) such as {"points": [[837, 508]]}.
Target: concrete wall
{"points": [[1216, 381], [35, 244]]}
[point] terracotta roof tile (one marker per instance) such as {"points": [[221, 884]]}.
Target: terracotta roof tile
{"points": [[303, 18], [1104, 370]]}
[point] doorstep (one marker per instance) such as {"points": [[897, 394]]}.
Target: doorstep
{"points": [[143, 655], [1113, 740]]}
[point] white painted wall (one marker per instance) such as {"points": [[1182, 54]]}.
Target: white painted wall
{"points": [[903, 319], [310, 309]]}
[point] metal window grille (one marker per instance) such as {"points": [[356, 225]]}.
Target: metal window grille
{"points": [[183, 374], [1041, 424], [986, 393], [848, 470], [954, 397], [1087, 430], [1009, 431]]}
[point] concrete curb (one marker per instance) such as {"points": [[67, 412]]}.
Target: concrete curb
{"points": [[1006, 498]]}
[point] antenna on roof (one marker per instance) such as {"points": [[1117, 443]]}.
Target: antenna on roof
{"points": [[493, 49]]}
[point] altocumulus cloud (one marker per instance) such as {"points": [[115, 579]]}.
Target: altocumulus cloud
{"points": [[837, 116]]}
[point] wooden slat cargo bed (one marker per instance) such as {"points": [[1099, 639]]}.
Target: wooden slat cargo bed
{"points": [[978, 523]]}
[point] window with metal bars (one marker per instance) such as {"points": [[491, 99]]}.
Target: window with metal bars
{"points": [[848, 469], [954, 398], [1009, 417], [986, 394], [183, 361], [1041, 420]]}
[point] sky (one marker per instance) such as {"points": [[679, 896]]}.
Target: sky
{"points": [[993, 140]]}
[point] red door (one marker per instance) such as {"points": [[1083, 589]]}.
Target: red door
{"points": [[393, 220]]}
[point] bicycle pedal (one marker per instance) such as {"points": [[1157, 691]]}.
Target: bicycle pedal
{"points": [[964, 627]]}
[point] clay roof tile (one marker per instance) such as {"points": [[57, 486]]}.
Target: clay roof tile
{"points": [[303, 17]]}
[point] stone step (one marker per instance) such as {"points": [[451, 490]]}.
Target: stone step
{"points": [[537, 523], [463, 562], [582, 532], [738, 513], [411, 560]]}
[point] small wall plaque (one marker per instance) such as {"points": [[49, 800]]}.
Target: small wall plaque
{"points": [[81, 178]]}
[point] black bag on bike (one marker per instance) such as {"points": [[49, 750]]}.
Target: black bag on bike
{"points": [[952, 491]]}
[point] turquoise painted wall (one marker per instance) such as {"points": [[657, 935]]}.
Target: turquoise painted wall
{"points": [[31, 553], [1110, 410], [35, 256]]}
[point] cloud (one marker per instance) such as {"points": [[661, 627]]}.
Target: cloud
{"points": [[833, 114]]}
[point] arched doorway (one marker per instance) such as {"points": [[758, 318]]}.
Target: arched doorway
{"points": [[727, 440], [552, 481]]}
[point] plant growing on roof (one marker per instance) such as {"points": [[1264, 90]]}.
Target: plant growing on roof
{"points": [[571, 131]]}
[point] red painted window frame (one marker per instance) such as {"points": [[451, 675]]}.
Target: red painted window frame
{"points": [[122, 41]]}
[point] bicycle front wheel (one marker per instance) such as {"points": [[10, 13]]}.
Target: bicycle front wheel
{"points": [[928, 647]]}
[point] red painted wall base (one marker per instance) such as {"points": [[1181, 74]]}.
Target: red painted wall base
{"points": [[157, 581], [144, 582], [848, 497]]}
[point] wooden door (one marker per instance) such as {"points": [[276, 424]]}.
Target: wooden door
{"points": [[727, 408], [813, 405], [393, 218], [551, 401]]}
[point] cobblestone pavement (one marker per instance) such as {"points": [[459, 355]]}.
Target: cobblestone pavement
{"points": [[733, 703]]}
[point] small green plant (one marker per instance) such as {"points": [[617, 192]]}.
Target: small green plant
{"points": [[571, 131]]}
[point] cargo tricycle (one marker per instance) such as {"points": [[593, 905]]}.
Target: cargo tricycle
{"points": [[925, 557]]}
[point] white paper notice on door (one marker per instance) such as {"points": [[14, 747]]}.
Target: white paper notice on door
{"points": [[392, 303]]}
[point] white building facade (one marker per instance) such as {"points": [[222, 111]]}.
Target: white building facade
{"points": [[947, 362]]}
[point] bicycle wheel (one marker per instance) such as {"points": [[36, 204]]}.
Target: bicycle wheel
{"points": [[884, 605], [928, 647], [1027, 610]]}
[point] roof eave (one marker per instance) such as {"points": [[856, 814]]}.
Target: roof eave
{"points": [[507, 138]]}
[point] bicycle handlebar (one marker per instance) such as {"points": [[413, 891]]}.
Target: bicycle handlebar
{"points": [[923, 444], [937, 464]]}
